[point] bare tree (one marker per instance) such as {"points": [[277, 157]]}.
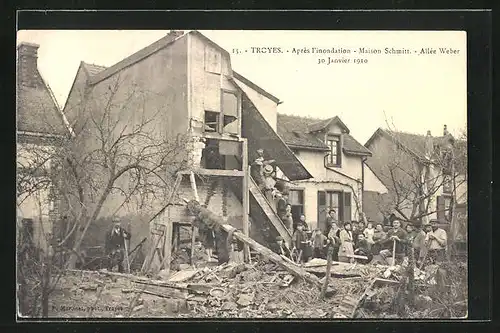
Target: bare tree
{"points": [[119, 157], [414, 180]]}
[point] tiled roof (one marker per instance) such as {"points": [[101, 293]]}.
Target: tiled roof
{"points": [[37, 110], [322, 124], [294, 131], [415, 143]]}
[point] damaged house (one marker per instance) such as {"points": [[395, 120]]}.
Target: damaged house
{"points": [[337, 163], [181, 90]]}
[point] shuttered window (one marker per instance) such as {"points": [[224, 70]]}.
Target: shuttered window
{"points": [[335, 155], [339, 201]]}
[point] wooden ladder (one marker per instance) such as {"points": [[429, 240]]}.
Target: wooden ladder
{"points": [[269, 211]]}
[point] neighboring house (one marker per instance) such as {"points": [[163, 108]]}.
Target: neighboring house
{"points": [[335, 160], [426, 176], [41, 128], [187, 81]]}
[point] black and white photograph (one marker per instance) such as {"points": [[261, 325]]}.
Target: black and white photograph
{"points": [[241, 174]]}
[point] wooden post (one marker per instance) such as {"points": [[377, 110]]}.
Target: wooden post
{"points": [[245, 200], [167, 249], [393, 263], [194, 230], [329, 258]]}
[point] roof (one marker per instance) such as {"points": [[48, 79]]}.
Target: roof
{"points": [[261, 135], [295, 131], [137, 56], [93, 69], [323, 124], [255, 87], [37, 109], [414, 143]]}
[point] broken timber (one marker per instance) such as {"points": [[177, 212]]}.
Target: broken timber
{"points": [[213, 220]]}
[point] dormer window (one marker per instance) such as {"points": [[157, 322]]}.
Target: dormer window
{"points": [[335, 154]]}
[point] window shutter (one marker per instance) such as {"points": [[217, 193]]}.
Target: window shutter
{"points": [[347, 206], [322, 209], [341, 209], [340, 144], [440, 208]]}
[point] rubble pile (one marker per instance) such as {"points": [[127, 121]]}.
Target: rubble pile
{"points": [[241, 290]]}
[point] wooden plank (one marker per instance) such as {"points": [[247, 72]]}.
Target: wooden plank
{"points": [[215, 172], [267, 253], [183, 275]]}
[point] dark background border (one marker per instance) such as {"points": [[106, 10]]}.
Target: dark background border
{"points": [[478, 25]]}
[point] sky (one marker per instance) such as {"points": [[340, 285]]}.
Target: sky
{"points": [[407, 92]]}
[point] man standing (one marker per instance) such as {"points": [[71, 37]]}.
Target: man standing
{"points": [[281, 204], [115, 245], [416, 236], [398, 235], [436, 242]]}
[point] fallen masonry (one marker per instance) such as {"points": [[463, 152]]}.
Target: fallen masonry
{"points": [[270, 287], [259, 290]]}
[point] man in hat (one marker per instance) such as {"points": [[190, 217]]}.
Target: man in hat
{"points": [[280, 247], [436, 242], [115, 245], [269, 182], [398, 236], [416, 237]]}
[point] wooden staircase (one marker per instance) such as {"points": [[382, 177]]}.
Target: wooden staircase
{"points": [[271, 215], [260, 207]]}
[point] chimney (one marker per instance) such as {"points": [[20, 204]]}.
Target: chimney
{"points": [[429, 145], [27, 58]]}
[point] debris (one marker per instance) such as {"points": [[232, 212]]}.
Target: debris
{"points": [[287, 280], [89, 287], [245, 299], [217, 292], [207, 216], [316, 262], [228, 306], [139, 307], [184, 275], [127, 291]]}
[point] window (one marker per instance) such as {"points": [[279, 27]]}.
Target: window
{"points": [[230, 112], [211, 121], [339, 201], [332, 202], [334, 157], [296, 200]]}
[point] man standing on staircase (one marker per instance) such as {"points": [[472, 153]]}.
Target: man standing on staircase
{"points": [[115, 245]]}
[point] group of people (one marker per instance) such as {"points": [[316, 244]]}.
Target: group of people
{"points": [[355, 242], [263, 171]]}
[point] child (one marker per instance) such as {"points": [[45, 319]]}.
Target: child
{"points": [[346, 244], [369, 232], [300, 241], [319, 242]]}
